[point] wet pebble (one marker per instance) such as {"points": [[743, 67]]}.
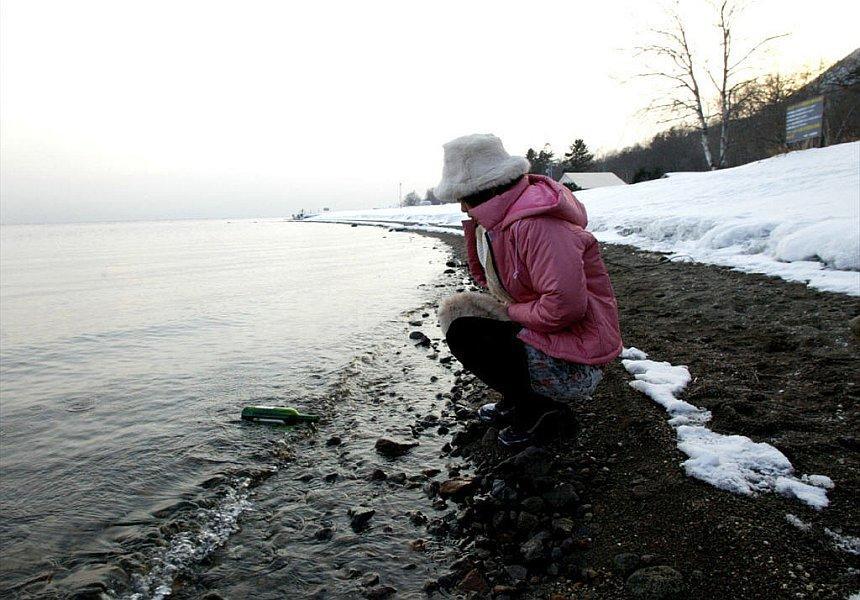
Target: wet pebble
{"points": [[378, 475], [533, 504], [393, 448], [533, 549], [420, 339], [379, 592], [533, 461], [516, 573], [563, 525], [474, 582], [490, 436], [360, 516], [457, 487], [417, 517], [527, 521], [561, 496]]}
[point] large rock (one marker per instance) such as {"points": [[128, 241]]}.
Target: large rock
{"points": [[656, 583], [392, 448]]}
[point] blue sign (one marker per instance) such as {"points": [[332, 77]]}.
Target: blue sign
{"points": [[803, 120]]}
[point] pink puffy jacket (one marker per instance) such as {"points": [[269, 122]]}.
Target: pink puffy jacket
{"points": [[551, 266]]}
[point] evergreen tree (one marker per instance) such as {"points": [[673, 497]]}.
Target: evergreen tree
{"points": [[412, 199], [579, 158], [541, 161]]}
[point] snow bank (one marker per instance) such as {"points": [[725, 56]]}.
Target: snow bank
{"points": [[795, 216], [729, 462]]}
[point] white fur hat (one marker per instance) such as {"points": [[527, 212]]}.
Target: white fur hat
{"points": [[474, 163]]}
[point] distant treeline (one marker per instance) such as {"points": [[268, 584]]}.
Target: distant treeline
{"points": [[759, 130]]}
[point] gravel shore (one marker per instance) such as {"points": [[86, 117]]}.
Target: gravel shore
{"points": [[604, 510]]}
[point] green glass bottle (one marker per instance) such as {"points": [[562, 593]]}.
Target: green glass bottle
{"points": [[283, 414]]}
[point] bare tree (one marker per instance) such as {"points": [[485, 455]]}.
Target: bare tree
{"points": [[684, 69]]}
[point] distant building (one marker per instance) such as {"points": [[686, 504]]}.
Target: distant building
{"points": [[587, 181]]}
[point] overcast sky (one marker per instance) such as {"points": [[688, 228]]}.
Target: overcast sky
{"points": [[116, 110]]}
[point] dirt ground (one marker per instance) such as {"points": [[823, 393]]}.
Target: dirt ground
{"points": [[772, 360]]}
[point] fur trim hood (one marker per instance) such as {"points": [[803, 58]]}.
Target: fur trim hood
{"points": [[477, 162]]}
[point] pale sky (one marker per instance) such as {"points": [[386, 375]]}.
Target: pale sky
{"points": [[117, 110]]}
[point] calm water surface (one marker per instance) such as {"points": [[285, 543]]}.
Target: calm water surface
{"points": [[126, 354]]}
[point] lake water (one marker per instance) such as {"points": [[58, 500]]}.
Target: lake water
{"points": [[126, 354]]}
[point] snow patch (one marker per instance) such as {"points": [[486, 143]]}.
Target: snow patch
{"points": [[822, 481], [797, 522], [733, 463], [846, 543], [633, 353]]}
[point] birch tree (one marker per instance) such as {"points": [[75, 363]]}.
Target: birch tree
{"points": [[688, 72]]}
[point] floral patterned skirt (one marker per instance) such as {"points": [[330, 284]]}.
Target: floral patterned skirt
{"points": [[559, 379]]}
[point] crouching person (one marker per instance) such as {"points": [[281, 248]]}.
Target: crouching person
{"points": [[551, 322]]}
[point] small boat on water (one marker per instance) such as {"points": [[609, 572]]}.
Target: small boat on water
{"points": [[302, 215]]}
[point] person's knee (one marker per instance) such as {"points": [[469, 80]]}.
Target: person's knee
{"points": [[457, 334]]}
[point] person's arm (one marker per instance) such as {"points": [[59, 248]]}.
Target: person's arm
{"points": [[552, 254], [475, 267]]}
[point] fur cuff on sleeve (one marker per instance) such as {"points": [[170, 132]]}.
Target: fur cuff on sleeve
{"points": [[470, 304]]}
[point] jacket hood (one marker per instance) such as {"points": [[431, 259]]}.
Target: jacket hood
{"points": [[533, 195]]}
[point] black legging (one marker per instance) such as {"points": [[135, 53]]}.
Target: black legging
{"points": [[492, 351]]}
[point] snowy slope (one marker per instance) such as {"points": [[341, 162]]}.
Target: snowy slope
{"points": [[796, 216]]}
